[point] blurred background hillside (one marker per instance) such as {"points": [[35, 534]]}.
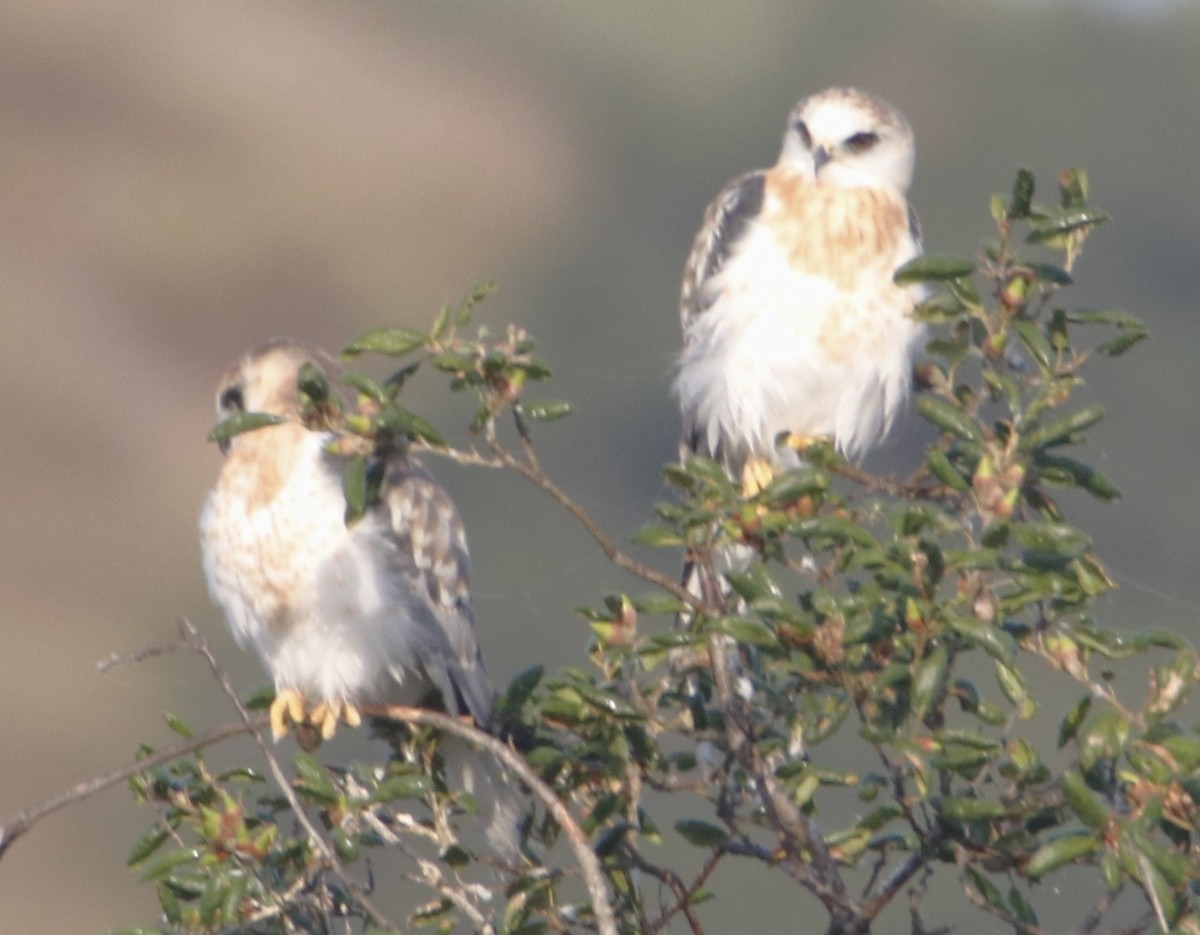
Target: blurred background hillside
{"points": [[179, 182]]}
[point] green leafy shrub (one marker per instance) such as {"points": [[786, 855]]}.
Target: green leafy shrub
{"points": [[901, 623]]}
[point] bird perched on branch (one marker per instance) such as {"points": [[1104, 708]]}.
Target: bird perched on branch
{"points": [[793, 329], [377, 610]]}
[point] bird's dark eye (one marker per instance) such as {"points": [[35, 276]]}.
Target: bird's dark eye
{"points": [[861, 142], [805, 137], [232, 400]]}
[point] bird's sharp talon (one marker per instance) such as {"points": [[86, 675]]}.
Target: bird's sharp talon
{"points": [[295, 705], [326, 715], [757, 473], [287, 706]]}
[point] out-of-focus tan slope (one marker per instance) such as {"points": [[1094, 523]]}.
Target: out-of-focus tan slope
{"points": [[178, 181]]}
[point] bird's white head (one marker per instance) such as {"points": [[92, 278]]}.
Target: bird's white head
{"points": [[848, 138], [266, 379]]}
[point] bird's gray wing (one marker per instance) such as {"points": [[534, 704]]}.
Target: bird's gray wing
{"points": [[430, 558], [914, 226], [725, 223]]}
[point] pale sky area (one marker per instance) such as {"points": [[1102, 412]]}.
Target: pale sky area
{"points": [[1127, 8]]}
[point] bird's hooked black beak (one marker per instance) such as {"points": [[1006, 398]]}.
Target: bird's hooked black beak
{"points": [[821, 155]]}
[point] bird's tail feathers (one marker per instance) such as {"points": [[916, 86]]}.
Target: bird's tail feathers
{"points": [[498, 796]]}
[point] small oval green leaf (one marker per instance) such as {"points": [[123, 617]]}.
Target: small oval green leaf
{"points": [[1014, 690], [701, 833], [993, 640], [420, 429], [177, 724], [367, 386], [240, 422], [1064, 850], [1064, 222], [1069, 726], [933, 268], [313, 383], [1106, 317], [1049, 545], [403, 786], [1048, 272], [1083, 801], [392, 342], [792, 485], [948, 417], [882, 816], [167, 862], [944, 470], [834, 528], [146, 845], [354, 486], [1022, 196], [1036, 343], [453, 362], [1063, 430], [657, 536], [929, 680], [965, 808], [1123, 342], [985, 887], [312, 779], [1056, 469], [965, 737], [546, 411], [745, 630], [519, 690]]}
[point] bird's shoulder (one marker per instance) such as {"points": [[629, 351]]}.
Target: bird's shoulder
{"points": [[726, 220]]}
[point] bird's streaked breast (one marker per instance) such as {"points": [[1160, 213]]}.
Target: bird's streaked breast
{"points": [[837, 233]]}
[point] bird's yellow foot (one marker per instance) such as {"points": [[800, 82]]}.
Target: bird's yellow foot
{"points": [[757, 473], [287, 706], [800, 442], [326, 715]]}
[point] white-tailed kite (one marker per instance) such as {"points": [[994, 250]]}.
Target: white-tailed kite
{"points": [[793, 328]]}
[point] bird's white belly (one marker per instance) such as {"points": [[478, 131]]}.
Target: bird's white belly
{"points": [[783, 351], [304, 590]]}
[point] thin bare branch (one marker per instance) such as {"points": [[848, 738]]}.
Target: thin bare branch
{"points": [[683, 893], [22, 822], [807, 858], [892, 884], [432, 877], [150, 652], [534, 474], [1103, 905], [999, 912], [467, 458]]}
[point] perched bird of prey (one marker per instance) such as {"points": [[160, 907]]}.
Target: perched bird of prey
{"points": [[377, 611], [792, 326]]}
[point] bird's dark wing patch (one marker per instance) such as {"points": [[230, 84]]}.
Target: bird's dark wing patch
{"points": [[914, 225], [725, 223]]}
